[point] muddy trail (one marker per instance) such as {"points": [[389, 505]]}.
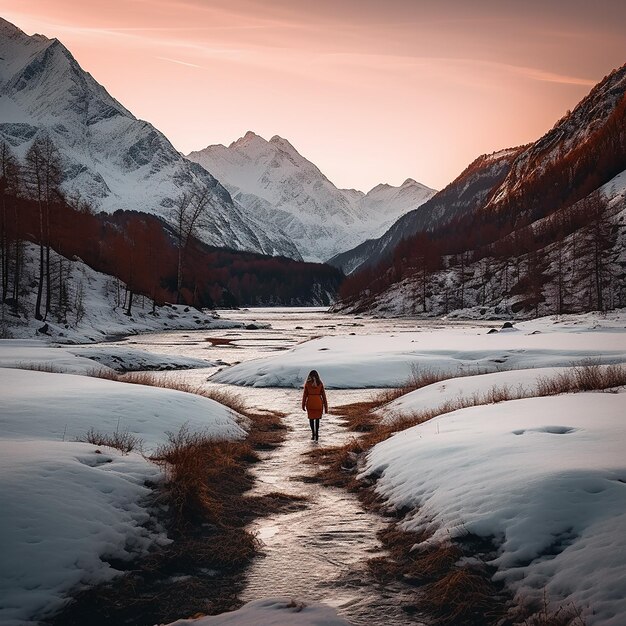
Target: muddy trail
{"points": [[320, 552]]}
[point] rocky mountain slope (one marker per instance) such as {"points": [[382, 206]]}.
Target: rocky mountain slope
{"points": [[111, 159], [273, 181], [534, 229], [460, 197]]}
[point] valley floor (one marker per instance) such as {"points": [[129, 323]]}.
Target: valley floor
{"points": [[542, 478]]}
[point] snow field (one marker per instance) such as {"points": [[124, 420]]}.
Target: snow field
{"points": [[69, 506], [49, 406], [66, 508], [545, 477], [363, 361]]}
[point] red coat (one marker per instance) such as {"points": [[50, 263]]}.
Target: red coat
{"points": [[314, 400]]}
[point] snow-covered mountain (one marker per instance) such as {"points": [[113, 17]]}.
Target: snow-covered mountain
{"points": [[273, 181], [464, 194], [110, 158]]}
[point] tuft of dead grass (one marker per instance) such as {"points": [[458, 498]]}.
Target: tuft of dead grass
{"points": [[203, 477], [124, 440], [547, 615], [232, 400], [589, 376], [40, 367], [267, 430], [462, 596]]}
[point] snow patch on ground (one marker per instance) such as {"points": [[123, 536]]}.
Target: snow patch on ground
{"points": [[68, 507], [50, 406], [272, 612], [36, 354], [123, 359], [546, 477]]}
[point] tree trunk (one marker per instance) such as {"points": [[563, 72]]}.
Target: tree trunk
{"points": [[38, 315], [130, 302]]}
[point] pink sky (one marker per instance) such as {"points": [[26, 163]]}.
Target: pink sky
{"points": [[369, 90]]}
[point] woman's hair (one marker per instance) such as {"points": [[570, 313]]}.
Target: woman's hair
{"points": [[314, 377]]}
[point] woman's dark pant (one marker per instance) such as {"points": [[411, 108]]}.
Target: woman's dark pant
{"points": [[315, 427]]}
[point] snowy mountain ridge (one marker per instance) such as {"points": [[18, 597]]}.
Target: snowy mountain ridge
{"points": [[464, 194], [273, 180], [111, 159], [568, 136]]}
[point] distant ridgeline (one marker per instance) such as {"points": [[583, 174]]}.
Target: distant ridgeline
{"points": [[149, 256], [533, 230]]}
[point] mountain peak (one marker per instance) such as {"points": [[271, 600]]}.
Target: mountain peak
{"points": [[249, 138], [282, 143], [251, 135], [409, 181], [9, 29]]}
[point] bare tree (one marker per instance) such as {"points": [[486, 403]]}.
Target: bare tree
{"points": [[9, 181], [189, 213], [601, 237], [43, 178]]}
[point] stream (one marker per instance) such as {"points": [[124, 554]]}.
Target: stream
{"points": [[318, 553]]}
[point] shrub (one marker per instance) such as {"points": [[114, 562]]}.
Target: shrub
{"points": [[124, 441]]}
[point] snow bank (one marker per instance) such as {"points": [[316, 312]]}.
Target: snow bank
{"points": [[434, 396], [68, 507], [271, 612], [123, 359], [388, 360], [65, 508], [38, 354], [545, 476], [64, 406]]}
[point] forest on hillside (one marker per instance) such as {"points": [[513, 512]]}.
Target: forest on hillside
{"points": [[554, 244], [163, 261]]}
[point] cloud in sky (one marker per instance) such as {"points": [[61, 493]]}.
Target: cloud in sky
{"points": [[371, 92]]}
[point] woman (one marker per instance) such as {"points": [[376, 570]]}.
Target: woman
{"points": [[314, 401]]}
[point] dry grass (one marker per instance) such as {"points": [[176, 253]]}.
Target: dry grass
{"points": [[359, 416], [267, 430], [124, 440], [546, 615], [41, 367], [205, 478], [178, 383], [463, 596], [589, 376]]}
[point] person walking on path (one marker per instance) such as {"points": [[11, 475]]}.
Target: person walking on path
{"points": [[314, 401]]}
